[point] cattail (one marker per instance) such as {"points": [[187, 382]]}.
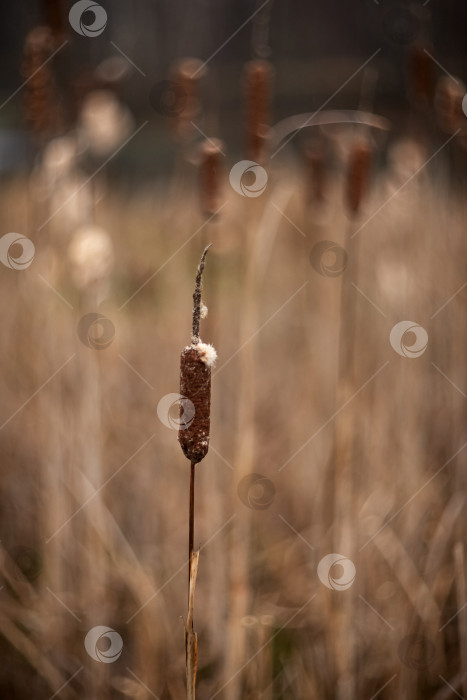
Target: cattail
{"points": [[210, 171], [258, 83], [316, 176], [448, 104], [195, 384], [54, 17], [358, 175], [195, 387], [186, 76], [420, 75], [41, 107]]}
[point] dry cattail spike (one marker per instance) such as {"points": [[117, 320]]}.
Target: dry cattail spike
{"points": [[420, 75], [186, 75], [448, 104], [358, 174], [316, 176], [41, 106], [258, 83], [195, 387], [195, 384], [210, 171], [53, 11]]}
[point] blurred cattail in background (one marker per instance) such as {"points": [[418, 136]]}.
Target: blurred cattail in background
{"points": [[421, 75], [448, 103], [258, 78], [210, 172], [55, 19], [358, 174], [316, 173], [186, 76], [42, 109]]}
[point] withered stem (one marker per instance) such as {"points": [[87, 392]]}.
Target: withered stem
{"points": [[191, 529]]}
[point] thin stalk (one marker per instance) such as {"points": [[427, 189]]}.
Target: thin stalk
{"points": [[191, 520], [191, 638], [195, 385]]}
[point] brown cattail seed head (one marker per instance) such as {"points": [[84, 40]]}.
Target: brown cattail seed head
{"points": [[186, 75], [420, 75], [358, 174], [210, 171], [316, 176], [195, 382], [258, 84], [41, 107], [448, 104], [53, 11], [195, 385]]}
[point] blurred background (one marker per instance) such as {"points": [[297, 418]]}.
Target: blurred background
{"points": [[322, 150]]}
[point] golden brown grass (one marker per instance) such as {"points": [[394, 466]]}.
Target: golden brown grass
{"points": [[266, 624]]}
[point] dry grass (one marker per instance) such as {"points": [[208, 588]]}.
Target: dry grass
{"points": [[363, 458]]}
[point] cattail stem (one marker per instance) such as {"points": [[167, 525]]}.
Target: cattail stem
{"points": [[191, 519], [191, 638]]}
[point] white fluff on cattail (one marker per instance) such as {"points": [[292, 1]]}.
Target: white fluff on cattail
{"points": [[203, 311], [207, 354]]}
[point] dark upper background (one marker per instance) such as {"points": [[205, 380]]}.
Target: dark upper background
{"points": [[314, 47]]}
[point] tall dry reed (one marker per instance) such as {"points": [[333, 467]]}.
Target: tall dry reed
{"points": [[196, 362]]}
